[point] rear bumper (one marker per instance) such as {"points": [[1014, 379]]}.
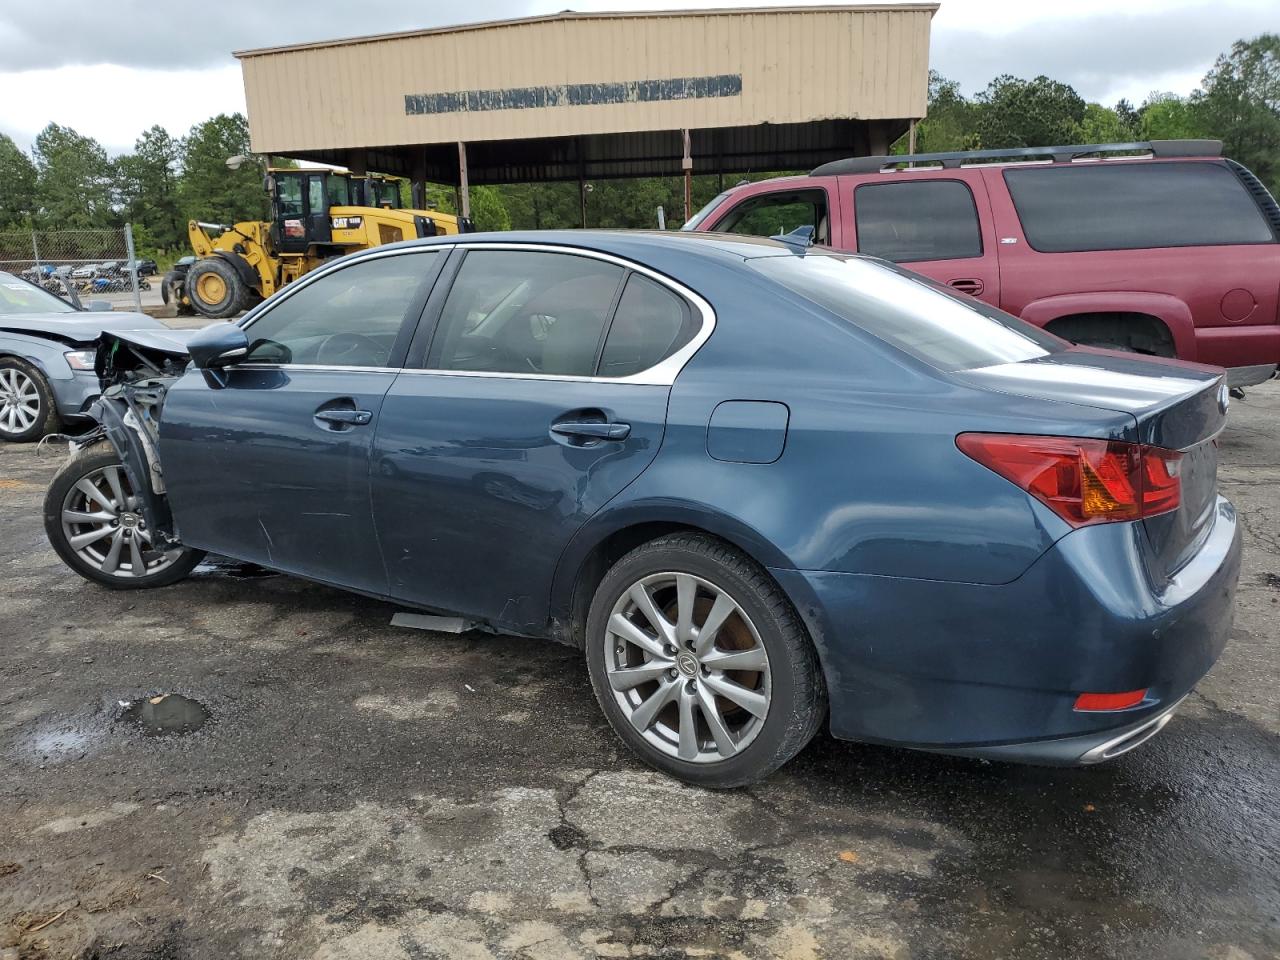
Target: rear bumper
{"points": [[994, 670]]}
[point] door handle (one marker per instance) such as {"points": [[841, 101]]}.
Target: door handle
{"points": [[346, 417], [593, 431], [970, 285]]}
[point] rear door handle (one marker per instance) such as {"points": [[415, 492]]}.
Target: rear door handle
{"points": [[354, 417], [594, 431], [970, 285]]}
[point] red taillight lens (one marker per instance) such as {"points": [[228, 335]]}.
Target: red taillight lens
{"points": [[1083, 480], [1110, 701]]}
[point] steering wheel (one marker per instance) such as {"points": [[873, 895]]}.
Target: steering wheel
{"points": [[342, 348]]}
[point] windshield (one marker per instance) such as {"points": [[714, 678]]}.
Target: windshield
{"points": [[19, 298], [946, 330], [697, 218]]}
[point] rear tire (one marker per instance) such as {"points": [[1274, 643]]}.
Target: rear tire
{"points": [[28, 410], [215, 289], [719, 711], [92, 521]]}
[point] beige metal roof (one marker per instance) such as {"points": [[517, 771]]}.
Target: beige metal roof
{"points": [[590, 74]]}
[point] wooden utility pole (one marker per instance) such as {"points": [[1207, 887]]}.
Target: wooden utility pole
{"points": [[686, 164]]}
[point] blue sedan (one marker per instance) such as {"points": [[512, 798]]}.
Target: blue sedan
{"points": [[765, 489]]}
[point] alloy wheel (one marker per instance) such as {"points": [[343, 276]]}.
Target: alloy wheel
{"points": [[103, 525], [19, 401], [687, 667]]}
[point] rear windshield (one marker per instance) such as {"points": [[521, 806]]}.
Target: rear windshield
{"points": [[1130, 206], [948, 331]]}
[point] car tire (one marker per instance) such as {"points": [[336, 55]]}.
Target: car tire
{"points": [[28, 410], [214, 288], [72, 517], [768, 701]]}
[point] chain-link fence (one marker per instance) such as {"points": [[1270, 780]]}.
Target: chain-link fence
{"points": [[79, 264]]}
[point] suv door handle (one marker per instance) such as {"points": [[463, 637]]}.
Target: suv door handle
{"points": [[345, 417], [972, 286], [593, 431]]}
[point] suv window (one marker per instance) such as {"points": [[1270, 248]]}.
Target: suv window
{"points": [[348, 318], [1129, 206], [650, 324], [914, 314], [518, 311], [778, 214], [923, 220]]}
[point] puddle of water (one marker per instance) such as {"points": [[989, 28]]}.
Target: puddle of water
{"points": [[166, 715]]}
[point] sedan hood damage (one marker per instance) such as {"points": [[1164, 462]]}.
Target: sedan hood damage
{"points": [[78, 328]]}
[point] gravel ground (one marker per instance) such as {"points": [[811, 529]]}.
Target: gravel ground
{"points": [[364, 791]]}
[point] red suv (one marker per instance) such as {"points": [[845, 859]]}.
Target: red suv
{"points": [[1173, 252]]}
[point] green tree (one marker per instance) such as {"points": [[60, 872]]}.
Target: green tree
{"points": [[147, 184], [1028, 113], [209, 190], [74, 180], [949, 123], [1239, 101], [1103, 125], [1167, 116], [17, 185]]}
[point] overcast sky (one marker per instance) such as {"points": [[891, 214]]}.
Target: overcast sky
{"points": [[113, 69]]}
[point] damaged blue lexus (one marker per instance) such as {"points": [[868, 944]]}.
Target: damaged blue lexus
{"points": [[765, 490]]}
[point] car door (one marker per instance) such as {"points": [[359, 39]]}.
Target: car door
{"points": [[939, 226], [268, 460], [803, 214], [542, 394]]}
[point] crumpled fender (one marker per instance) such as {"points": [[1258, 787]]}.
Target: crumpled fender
{"points": [[113, 414]]}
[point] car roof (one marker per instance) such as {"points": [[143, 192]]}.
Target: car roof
{"points": [[636, 245]]}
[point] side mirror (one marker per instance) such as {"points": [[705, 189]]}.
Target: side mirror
{"points": [[98, 306], [218, 345]]}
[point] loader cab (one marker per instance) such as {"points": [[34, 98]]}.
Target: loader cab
{"points": [[300, 201]]}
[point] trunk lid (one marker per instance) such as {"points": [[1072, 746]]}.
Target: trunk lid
{"points": [[1175, 405]]}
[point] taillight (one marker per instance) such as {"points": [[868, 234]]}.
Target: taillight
{"points": [[1083, 480]]}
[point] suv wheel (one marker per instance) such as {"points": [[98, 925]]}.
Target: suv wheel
{"points": [[92, 519], [700, 664]]}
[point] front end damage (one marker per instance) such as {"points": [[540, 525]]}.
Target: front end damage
{"points": [[135, 370]]}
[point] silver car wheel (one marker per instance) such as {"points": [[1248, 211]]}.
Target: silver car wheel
{"points": [[19, 401], [687, 667], [102, 524]]}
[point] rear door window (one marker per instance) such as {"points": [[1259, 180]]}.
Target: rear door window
{"points": [[909, 222], [650, 324], [525, 312], [1068, 208]]}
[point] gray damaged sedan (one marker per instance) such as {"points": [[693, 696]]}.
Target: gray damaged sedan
{"points": [[47, 350]]}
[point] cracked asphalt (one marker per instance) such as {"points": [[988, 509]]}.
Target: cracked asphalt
{"points": [[364, 791]]}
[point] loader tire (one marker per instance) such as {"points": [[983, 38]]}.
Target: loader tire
{"points": [[215, 289]]}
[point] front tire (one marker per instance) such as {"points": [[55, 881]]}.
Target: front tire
{"points": [[28, 410], [215, 289], [701, 664], [92, 519]]}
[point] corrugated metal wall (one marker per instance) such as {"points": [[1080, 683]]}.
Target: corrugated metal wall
{"points": [[580, 74]]}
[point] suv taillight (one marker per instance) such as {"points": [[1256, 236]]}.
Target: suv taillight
{"points": [[1083, 480]]}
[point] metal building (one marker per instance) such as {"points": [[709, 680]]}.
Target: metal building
{"points": [[577, 96]]}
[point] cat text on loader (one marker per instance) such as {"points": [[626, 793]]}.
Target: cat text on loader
{"points": [[316, 215]]}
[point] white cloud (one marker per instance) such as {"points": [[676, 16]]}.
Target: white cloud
{"points": [[114, 104]]}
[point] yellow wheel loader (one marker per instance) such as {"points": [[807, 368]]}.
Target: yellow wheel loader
{"points": [[316, 215]]}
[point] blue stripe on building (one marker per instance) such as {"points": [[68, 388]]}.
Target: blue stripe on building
{"points": [[574, 95]]}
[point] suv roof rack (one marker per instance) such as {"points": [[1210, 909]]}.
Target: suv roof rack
{"points": [[1157, 148]]}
